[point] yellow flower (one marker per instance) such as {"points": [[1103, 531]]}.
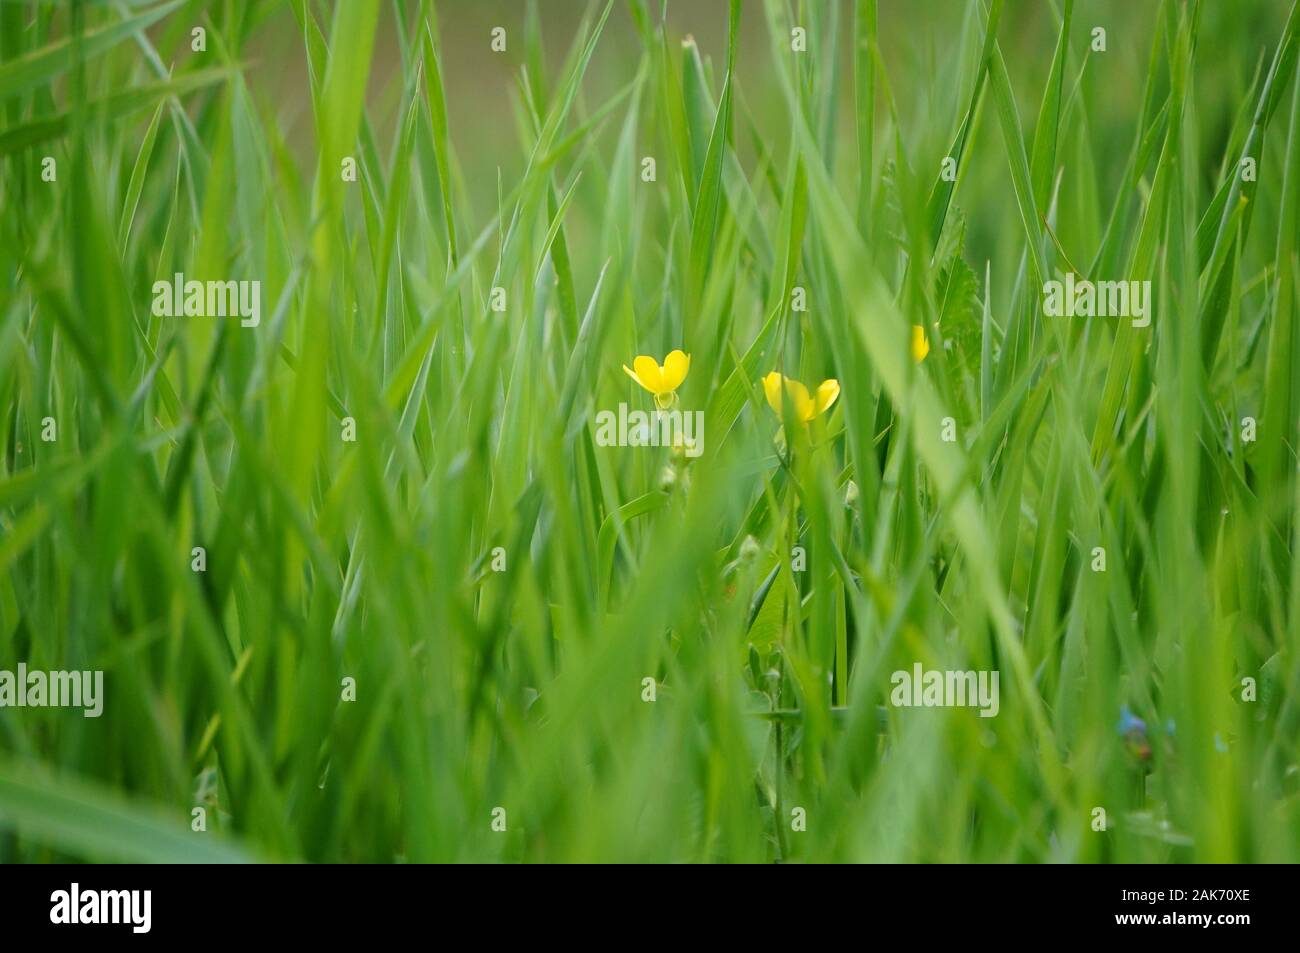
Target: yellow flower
{"points": [[660, 381], [920, 345], [804, 405]]}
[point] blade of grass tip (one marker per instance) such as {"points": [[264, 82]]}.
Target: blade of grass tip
{"points": [[394, 203], [558, 248], [674, 104], [437, 103], [1279, 76], [1043, 160], [589, 336], [701, 114], [1149, 130], [1239, 201], [536, 174], [136, 183], [941, 197], [1021, 182], [1207, 230], [708, 204]]}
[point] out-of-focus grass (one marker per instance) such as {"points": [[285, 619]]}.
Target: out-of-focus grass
{"points": [[522, 689]]}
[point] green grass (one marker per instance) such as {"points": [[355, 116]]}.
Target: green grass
{"points": [[778, 173]]}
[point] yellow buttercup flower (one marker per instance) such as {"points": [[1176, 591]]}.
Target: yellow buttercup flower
{"points": [[660, 381], [920, 344], [805, 406]]}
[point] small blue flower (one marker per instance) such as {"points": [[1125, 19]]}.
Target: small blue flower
{"points": [[1130, 723], [1134, 732]]}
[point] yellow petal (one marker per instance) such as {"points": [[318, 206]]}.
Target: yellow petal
{"points": [[648, 374], [676, 364], [827, 393], [801, 402], [804, 408], [632, 374], [772, 390], [920, 346]]}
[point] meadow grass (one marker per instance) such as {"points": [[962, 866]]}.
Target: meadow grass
{"points": [[496, 584]]}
